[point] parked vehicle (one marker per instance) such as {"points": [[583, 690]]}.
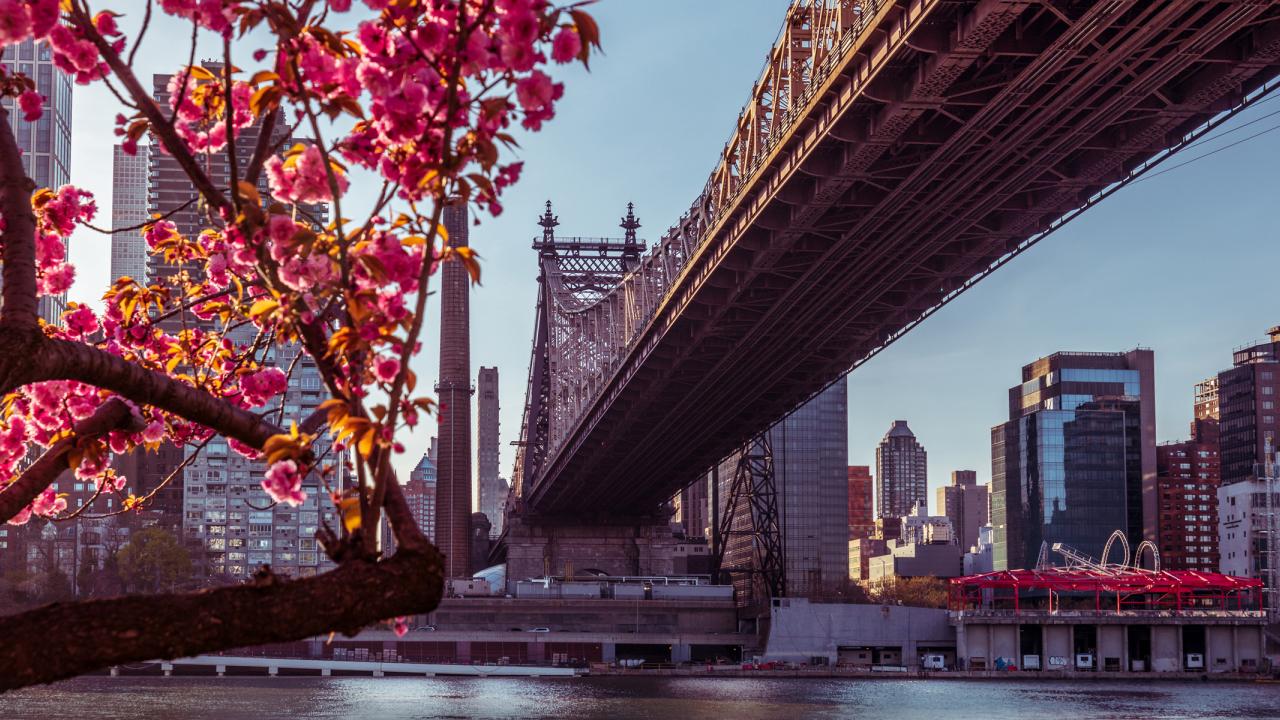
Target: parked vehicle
{"points": [[540, 630], [933, 662]]}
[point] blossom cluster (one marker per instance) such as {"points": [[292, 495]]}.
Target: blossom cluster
{"points": [[435, 88]]}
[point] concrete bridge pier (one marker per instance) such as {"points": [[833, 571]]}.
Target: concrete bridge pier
{"points": [[539, 547]]}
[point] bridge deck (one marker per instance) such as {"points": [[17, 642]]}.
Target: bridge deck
{"points": [[943, 138]]}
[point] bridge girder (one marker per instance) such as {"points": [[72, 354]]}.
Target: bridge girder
{"points": [[887, 159]]}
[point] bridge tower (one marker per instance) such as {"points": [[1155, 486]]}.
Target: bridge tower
{"points": [[571, 353]]}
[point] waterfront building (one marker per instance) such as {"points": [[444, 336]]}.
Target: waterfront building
{"points": [[1247, 408], [228, 524], [902, 472], [1076, 460], [492, 491], [45, 143], [129, 184], [1128, 620], [965, 502], [861, 503], [453, 461]]}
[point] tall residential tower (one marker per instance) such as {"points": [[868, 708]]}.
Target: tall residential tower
{"points": [[902, 472], [129, 185]]}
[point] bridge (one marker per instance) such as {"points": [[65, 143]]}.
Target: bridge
{"points": [[892, 154]]}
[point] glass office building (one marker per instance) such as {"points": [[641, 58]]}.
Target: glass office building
{"points": [[1071, 464], [45, 143], [810, 461], [129, 185]]}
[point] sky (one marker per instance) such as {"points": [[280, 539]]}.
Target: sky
{"points": [[1185, 263]]}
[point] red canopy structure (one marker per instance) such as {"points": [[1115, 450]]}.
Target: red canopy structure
{"points": [[1054, 590]]}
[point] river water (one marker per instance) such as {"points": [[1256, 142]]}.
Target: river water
{"points": [[676, 698]]}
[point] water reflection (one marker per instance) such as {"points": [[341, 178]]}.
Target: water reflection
{"points": [[684, 698]]}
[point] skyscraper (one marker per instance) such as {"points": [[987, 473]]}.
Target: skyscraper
{"points": [[171, 193], [1248, 454], [1247, 407], [453, 462], [129, 184], [45, 143], [810, 463], [902, 472], [492, 488], [228, 522], [1076, 460], [862, 522], [964, 502]]}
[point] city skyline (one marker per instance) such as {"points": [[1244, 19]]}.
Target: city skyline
{"points": [[293, 440]]}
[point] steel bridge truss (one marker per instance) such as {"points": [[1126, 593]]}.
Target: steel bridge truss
{"points": [[892, 153]]}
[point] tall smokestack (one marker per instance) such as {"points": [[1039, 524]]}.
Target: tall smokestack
{"points": [[453, 455]]}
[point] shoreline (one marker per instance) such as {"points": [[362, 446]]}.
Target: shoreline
{"points": [[390, 670]]}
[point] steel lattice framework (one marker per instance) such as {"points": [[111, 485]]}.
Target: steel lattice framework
{"points": [[749, 549], [892, 154]]}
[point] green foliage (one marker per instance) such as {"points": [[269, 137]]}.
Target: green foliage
{"points": [[153, 560]]}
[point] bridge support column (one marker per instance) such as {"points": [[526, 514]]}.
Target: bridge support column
{"points": [[115, 671], [166, 668], [220, 669], [273, 671], [538, 547], [326, 672]]}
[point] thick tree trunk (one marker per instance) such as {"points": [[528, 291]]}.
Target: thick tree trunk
{"points": [[63, 640]]}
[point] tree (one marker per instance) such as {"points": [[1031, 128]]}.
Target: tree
{"points": [[930, 592], [153, 560], [418, 98]]}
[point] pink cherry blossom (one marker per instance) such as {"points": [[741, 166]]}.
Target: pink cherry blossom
{"points": [[261, 386], [15, 23], [32, 105], [386, 369], [566, 45], [302, 178], [283, 482]]}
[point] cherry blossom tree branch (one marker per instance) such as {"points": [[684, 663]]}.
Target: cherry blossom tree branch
{"points": [[67, 360], [113, 414], [63, 640]]}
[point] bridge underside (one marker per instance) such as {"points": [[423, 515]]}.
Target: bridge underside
{"points": [[958, 132]]}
